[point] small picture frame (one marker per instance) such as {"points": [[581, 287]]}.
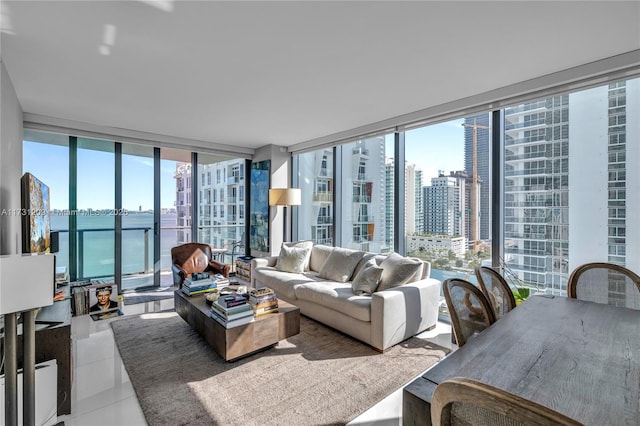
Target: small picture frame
{"points": [[103, 298]]}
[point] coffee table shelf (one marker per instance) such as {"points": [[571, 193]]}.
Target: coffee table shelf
{"points": [[237, 342]]}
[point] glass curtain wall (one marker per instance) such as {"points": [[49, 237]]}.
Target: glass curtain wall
{"points": [[137, 216], [570, 189], [315, 179], [364, 194], [571, 184], [448, 196], [175, 202], [221, 204], [46, 156], [95, 208]]}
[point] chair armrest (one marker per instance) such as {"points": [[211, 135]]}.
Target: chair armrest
{"points": [[219, 268], [401, 312], [179, 275]]}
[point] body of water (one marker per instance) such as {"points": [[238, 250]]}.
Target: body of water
{"points": [[96, 236]]}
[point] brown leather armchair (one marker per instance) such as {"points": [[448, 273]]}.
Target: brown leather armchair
{"points": [[194, 257]]}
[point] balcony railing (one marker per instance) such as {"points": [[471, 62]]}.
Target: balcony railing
{"points": [[96, 246], [324, 241], [324, 220], [323, 196], [361, 198]]}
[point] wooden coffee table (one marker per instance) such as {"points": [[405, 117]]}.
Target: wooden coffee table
{"points": [[233, 343]]}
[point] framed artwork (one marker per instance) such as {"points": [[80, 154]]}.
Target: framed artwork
{"points": [[102, 298], [259, 206]]}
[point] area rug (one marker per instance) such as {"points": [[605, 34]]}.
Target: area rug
{"points": [[318, 377], [134, 297]]}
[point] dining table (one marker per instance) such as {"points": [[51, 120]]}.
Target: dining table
{"points": [[579, 358]]}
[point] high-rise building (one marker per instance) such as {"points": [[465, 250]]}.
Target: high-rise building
{"points": [[183, 202], [550, 198], [413, 204], [389, 202], [221, 201], [316, 216], [445, 204], [483, 154], [363, 194]]}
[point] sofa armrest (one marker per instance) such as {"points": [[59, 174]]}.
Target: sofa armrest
{"points": [[261, 262], [401, 312], [264, 261]]}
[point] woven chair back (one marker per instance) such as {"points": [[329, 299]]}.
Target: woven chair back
{"points": [[606, 283], [469, 309], [496, 289], [463, 401]]}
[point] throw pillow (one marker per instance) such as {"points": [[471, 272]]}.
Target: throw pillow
{"points": [[398, 270], [292, 259], [367, 279], [304, 245], [340, 264]]}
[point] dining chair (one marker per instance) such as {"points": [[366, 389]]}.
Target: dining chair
{"points": [[463, 401], [607, 283], [469, 309], [496, 289]]}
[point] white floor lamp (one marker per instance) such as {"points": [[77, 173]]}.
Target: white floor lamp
{"points": [[285, 197]]}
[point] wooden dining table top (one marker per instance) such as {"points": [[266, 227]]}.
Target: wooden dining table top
{"points": [[579, 358]]}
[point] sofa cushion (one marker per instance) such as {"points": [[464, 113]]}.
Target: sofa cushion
{"points": [[283, 283], [340, 264], [293, 259], [338, 297], [367, 279], [399, 270], [303, 245], [368, 256], [319, 255]]}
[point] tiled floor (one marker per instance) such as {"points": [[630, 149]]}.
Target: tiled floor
{"points": [[103, 395]]}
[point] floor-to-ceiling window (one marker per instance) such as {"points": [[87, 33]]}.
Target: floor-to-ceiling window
{"points": [[103, 204], [221, 204], [95, 207], [571, 185], [137, 213], [445, 170], [315, 180], [175, 202], [46, 156], [364, 194]]}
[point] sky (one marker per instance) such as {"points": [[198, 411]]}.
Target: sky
{"points": [[96, 188], [431, 148], [436, 147]]}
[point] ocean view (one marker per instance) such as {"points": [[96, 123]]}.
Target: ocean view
{"points": [[96, 240]]}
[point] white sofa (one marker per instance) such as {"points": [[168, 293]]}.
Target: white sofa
{"points": [[381, 320]]}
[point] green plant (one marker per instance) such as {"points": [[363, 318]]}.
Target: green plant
{"points": [[521, 294]]}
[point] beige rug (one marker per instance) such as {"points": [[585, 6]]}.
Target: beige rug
{"points": [[318, 377]]}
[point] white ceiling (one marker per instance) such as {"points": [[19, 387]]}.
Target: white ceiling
{"points": [[249, 74]]}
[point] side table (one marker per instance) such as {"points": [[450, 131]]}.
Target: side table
{"points": [[243, 268]]}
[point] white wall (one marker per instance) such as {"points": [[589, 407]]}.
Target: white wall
{"points": [[11, 161], [588, 175]]}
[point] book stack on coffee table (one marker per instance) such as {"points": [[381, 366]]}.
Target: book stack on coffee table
{"points": [[231, 310], [263, 301]]}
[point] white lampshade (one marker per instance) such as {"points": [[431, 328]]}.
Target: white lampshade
{"points": [[26, 282], [285, 197]]}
